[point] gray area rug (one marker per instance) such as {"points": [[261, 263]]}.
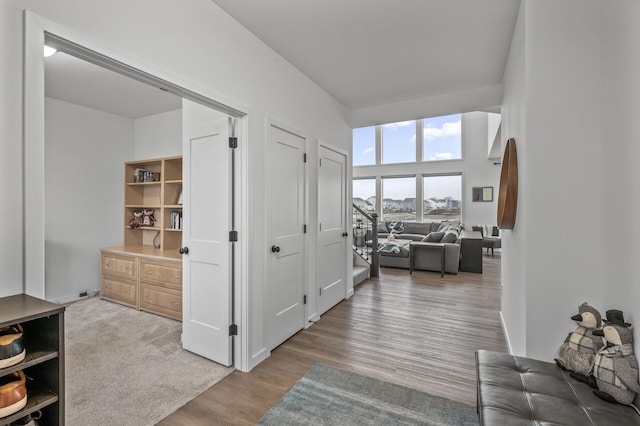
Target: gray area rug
{"points": [[330, 396], [127, 367]]}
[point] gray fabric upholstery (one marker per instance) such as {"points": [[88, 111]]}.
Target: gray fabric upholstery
{"points": [[433, 237], [416, 228], [522, 391], [425, 260]]}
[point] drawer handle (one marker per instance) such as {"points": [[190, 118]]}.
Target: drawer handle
{"points": [[107, 264], [175, 276], [129, 269], [128, 291], [149, 272], [174, 303], [148, 297]]}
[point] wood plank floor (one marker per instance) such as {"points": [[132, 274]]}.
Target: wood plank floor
{"points": [[417, 330]]}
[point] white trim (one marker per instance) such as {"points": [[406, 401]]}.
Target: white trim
{"points": [[35, 30], [506, 334]]}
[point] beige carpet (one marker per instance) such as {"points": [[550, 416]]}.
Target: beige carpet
{"points": [[126, 367]]}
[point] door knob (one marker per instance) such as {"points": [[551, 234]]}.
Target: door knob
{"points": [[275, 249], [184, 250], [345, 234]]}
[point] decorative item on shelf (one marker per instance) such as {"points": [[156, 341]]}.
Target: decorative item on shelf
{"points": [[136, 220], [508, 193], [142, 176], [179, 199], [156, 240], [482, 193], [148, 219]]}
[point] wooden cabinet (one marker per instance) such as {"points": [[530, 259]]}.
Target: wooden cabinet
{"points": [[43, 325], [161, 287], [146, 272], [119, 278], [140, 279]]}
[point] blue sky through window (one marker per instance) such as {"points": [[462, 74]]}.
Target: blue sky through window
{"points": [[442, 138], [364, 146], [399, 142]]}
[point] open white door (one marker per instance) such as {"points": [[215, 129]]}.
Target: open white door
{"points": [[206, 293], [332, 241]]}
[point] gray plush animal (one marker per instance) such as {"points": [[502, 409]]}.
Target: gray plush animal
{"points": [[616, 367], [579, 349]]}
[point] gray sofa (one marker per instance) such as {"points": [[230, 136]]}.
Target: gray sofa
{"points": [[418, 233]]}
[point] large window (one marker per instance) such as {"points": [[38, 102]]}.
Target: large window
{"points": [[442, 138], [399, 142], [364, 146], [364, 194], [399, 199], [442, 198]]}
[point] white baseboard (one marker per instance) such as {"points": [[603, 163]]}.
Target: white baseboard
{"points": [[74, 298], [506, 334]]}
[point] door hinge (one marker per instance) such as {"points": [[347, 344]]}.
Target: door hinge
{"points": [[233, 142], [233, 330], [321, 162], [320, 291], [304, 299], [304, 157], [233, 236], [304, 228]]}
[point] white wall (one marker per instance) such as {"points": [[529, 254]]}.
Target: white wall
{"points": [[205, 50], [514, 308], [620, 153], [476, 169], [158, 135], [11, 214], [553, 105], [84, 154]]}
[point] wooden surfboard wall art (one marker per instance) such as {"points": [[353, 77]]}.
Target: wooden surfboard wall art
{"points": [[508, 194]]}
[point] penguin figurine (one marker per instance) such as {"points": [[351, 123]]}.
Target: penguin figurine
{"points": [[579, 349], [615, 367]]}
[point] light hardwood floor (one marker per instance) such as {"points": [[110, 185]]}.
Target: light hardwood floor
{"points": [[417, 330]]}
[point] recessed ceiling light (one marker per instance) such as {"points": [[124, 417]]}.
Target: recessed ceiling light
{"points": [[48, 51]]}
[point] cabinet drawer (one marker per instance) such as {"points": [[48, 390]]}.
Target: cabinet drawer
{"points": [[161, 300], [118, 290], [125, 266], [165, 274]]}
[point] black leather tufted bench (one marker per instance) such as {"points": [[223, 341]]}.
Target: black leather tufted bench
{"points": [[522, 391]]}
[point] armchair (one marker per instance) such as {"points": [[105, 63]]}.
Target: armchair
{"points": [[491, 236]]}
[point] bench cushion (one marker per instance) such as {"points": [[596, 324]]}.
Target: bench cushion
{"points": [[522, 391]]}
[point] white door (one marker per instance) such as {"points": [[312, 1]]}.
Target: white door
{"points": [[285, 233], [206, 292], [332, 241]]}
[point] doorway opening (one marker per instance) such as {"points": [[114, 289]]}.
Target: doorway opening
{"points": [[36, 174]]}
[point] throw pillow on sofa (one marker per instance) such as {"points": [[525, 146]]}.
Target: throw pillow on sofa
{"points": [[396, 227], [450, 237], [433, 237]]}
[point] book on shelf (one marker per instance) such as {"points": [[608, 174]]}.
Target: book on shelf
{"points": [[144, 175], [175, 220]]}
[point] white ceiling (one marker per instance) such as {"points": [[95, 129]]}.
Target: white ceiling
{"points": [[362, 52], [70, 79], [373, 52]]}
